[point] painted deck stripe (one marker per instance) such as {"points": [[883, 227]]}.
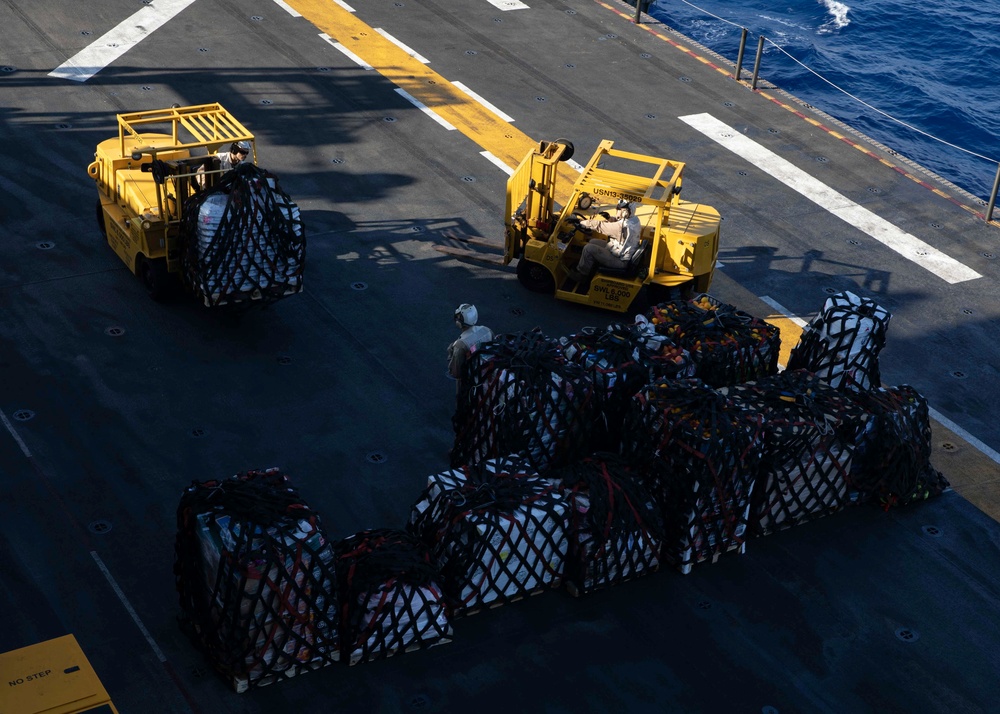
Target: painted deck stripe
{"points": [[790, 326], [508, 5], [483, 127], [17, 438], [128, 606], [408, 50], [495, 110], [959, 431], [350, 55], [344, 5], [497, 162], [424, 108], [288, 8], [907, 245], [116, 42], [798, 321]]}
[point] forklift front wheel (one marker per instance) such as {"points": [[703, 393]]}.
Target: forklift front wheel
{"points": [[154, 276], [535, 276]]}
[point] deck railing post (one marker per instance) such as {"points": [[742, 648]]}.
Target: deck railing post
{"points": [[993, 195], [739, 55], [756, 62], [638, 10]]}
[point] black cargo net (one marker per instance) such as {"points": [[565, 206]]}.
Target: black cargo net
{"points": [[698, 456], [255, 573], [810, 431], [390, 596], [498, 533], [520, 395], [728, 346], [620, 361], [615, 527], [841, 345], [245, 241], [892, 464]]}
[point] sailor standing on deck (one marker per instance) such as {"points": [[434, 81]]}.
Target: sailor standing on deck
{"points": [[623, 238], [473, 335]]}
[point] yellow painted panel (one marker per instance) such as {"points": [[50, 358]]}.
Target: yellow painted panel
{"points": [[53, 677]]}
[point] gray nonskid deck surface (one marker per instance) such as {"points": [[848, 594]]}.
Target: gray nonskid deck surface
{"points": [[343, 386]]}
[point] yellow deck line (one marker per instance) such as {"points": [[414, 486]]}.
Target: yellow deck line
{"points": [[790, 334], [436, 92]]}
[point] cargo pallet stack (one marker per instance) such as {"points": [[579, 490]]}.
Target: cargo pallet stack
{"points": [[520, 395], [620, 361], [699, 456], [810, 432], [391, 599], [250, 244], [255, 574], [728, 346], [529, 505], [615, 527], [498, 532]]}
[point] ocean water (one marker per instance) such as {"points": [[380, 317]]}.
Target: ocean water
{"points": [[934, 67]]}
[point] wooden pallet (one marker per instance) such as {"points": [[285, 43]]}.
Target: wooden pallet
{"points": [[506, 601], [576, 590], [242, 684], [357, 657]]}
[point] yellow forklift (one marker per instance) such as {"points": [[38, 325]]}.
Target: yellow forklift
{"points": [[159, 159], [677, 250]]}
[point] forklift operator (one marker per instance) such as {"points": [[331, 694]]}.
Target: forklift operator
{"points": [[228, 158], [236, 153], [623, 238]]}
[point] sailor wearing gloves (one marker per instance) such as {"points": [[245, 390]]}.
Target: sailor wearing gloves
{"points": [[623, 234]]}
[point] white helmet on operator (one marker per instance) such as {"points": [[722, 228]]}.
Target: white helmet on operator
{"points": [[466, 315], [624, 205]]}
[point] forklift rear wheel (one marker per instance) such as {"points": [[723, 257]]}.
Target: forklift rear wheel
{"points": [[100, 220], [535, 276], [154, 276]]}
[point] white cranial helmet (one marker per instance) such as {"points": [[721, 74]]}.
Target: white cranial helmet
{"points": [[466, 315]]}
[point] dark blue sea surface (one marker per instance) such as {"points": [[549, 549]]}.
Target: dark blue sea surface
{"points": [[932, 66]]}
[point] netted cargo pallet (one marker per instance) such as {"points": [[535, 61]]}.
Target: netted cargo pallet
{"points": [[728, 346], [391, 600], [698, 455], [245, 241], [520, 395], [615, 527], [841, 345], [892, 462], [620, 361], [810, 432], [497, 531], [255, 574]]}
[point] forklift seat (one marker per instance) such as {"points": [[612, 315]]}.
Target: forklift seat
{"points": [[637, 263]]}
